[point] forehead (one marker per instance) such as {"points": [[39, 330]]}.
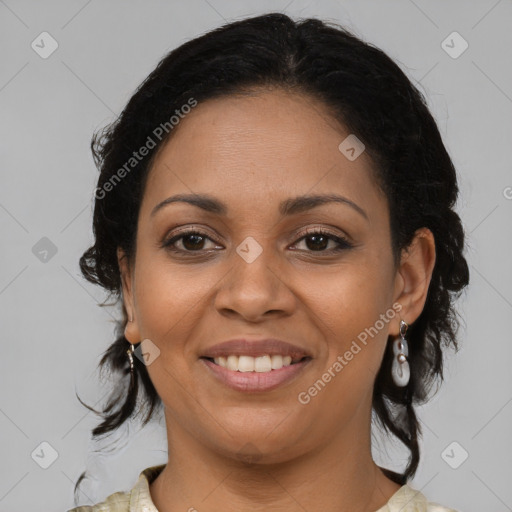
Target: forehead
{"points": [[258, 148]]}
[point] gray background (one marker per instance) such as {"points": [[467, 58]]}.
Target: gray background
{"points": [[53, 332]]}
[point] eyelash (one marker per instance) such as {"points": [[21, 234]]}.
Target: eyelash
{"points": [[343, 243]]}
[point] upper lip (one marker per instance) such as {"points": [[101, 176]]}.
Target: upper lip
{"points": [[255, 348]]}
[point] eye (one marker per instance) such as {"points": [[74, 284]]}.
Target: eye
{"points": [[317, 240], [191, 240]]}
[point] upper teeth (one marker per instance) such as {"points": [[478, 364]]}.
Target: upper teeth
{"points": [[253, 364]]}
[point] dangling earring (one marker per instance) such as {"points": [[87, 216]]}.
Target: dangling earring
{"points": [[130, 351], [400, 370]]}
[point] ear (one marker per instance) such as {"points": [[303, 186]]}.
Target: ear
{"points": [[413, 277], [131, 331]]}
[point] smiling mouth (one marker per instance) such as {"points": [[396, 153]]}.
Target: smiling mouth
{"points": [[259, 364]]}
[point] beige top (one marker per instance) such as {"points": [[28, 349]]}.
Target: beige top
{"points": [[406, 499]]}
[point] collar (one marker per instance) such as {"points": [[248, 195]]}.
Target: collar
{"points": [[140, 498], [406, 499]]}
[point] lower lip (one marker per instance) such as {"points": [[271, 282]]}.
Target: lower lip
{"points": [[253, 382]]}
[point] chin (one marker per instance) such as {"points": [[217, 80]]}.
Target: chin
{"points": [[259, 448]]}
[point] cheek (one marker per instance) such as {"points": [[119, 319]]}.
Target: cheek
{"points": [[352, 297], [170, 298], [355, 311], [163, 294]]}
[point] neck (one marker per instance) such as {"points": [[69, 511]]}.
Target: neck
{"points": [[344, 477]]}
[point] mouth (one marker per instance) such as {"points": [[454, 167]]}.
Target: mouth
{"points": [[255, 365], [261, 364], [254, 374]]}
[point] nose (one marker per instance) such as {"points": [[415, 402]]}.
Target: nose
{"points": [[254, 290]]}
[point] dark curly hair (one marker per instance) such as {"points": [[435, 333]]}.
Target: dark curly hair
{"points": [[370, 95]]}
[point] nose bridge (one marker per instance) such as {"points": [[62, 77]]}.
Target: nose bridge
{"points": [[253, 286], [252, 271]]}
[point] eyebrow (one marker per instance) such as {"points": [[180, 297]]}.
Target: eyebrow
{"points": [[288, 207]]}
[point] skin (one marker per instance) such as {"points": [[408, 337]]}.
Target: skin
{"points": [[251, 152]]}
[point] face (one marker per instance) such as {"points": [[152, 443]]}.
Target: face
{"points": [[259, 262]]}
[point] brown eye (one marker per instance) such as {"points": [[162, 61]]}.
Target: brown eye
{"points": [[191, 241], [318, 241]]}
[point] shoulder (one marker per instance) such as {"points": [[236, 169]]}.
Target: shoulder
{"points": [[408, 499], [124, 501]]}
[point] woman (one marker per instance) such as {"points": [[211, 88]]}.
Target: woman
{"points": [[275, 210]]}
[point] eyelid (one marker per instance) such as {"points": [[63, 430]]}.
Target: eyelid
{"points": [[300, 233], [187, 229], [335, 232]]}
